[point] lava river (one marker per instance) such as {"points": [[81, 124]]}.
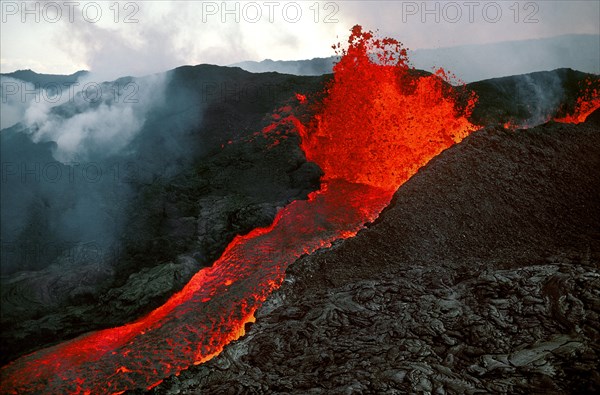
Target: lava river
{"points": [[379, 122]]}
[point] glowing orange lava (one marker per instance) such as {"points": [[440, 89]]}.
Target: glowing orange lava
{"points": [[588, 101], [379, 123], [196, 323]]}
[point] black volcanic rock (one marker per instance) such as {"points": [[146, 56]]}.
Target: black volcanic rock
{"points": [[594, 118], [529, 99], [482, 276]]}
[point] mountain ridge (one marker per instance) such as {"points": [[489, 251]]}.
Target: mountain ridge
{"points": [[485, 61]]}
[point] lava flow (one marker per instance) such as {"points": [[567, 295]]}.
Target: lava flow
{"points": [[379, 123], [587, 102]]}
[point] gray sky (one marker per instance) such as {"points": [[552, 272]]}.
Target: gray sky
{"points": [[136, 38]]}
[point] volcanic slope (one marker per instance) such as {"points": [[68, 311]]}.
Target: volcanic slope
{"points": [[199, 177], [482, 276]]}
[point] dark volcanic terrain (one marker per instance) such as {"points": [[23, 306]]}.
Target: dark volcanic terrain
{"points": [[193, 177], [482, 276]]}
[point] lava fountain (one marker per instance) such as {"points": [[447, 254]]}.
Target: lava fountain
{"points": [[379, 122]]}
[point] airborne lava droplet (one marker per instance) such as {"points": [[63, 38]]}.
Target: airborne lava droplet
{"points": [[301, 98], [380, 122]]}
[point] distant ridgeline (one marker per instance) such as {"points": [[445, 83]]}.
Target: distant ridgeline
{"points": [[473, 62], [41, 80]]}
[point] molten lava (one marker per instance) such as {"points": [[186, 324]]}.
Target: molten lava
{"points": [[587, 102], [379, 123]]}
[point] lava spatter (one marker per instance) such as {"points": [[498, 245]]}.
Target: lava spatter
{"points": [[379, 122]]}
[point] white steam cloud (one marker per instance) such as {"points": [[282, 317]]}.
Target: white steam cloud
{"points": [[100, 120]]}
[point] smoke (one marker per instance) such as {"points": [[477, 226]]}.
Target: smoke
{"points": [[156, 42], [20, 97], [542, 97], [100, 120], [66, 179], [106, 129], [166, 35], [13, 106]]}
